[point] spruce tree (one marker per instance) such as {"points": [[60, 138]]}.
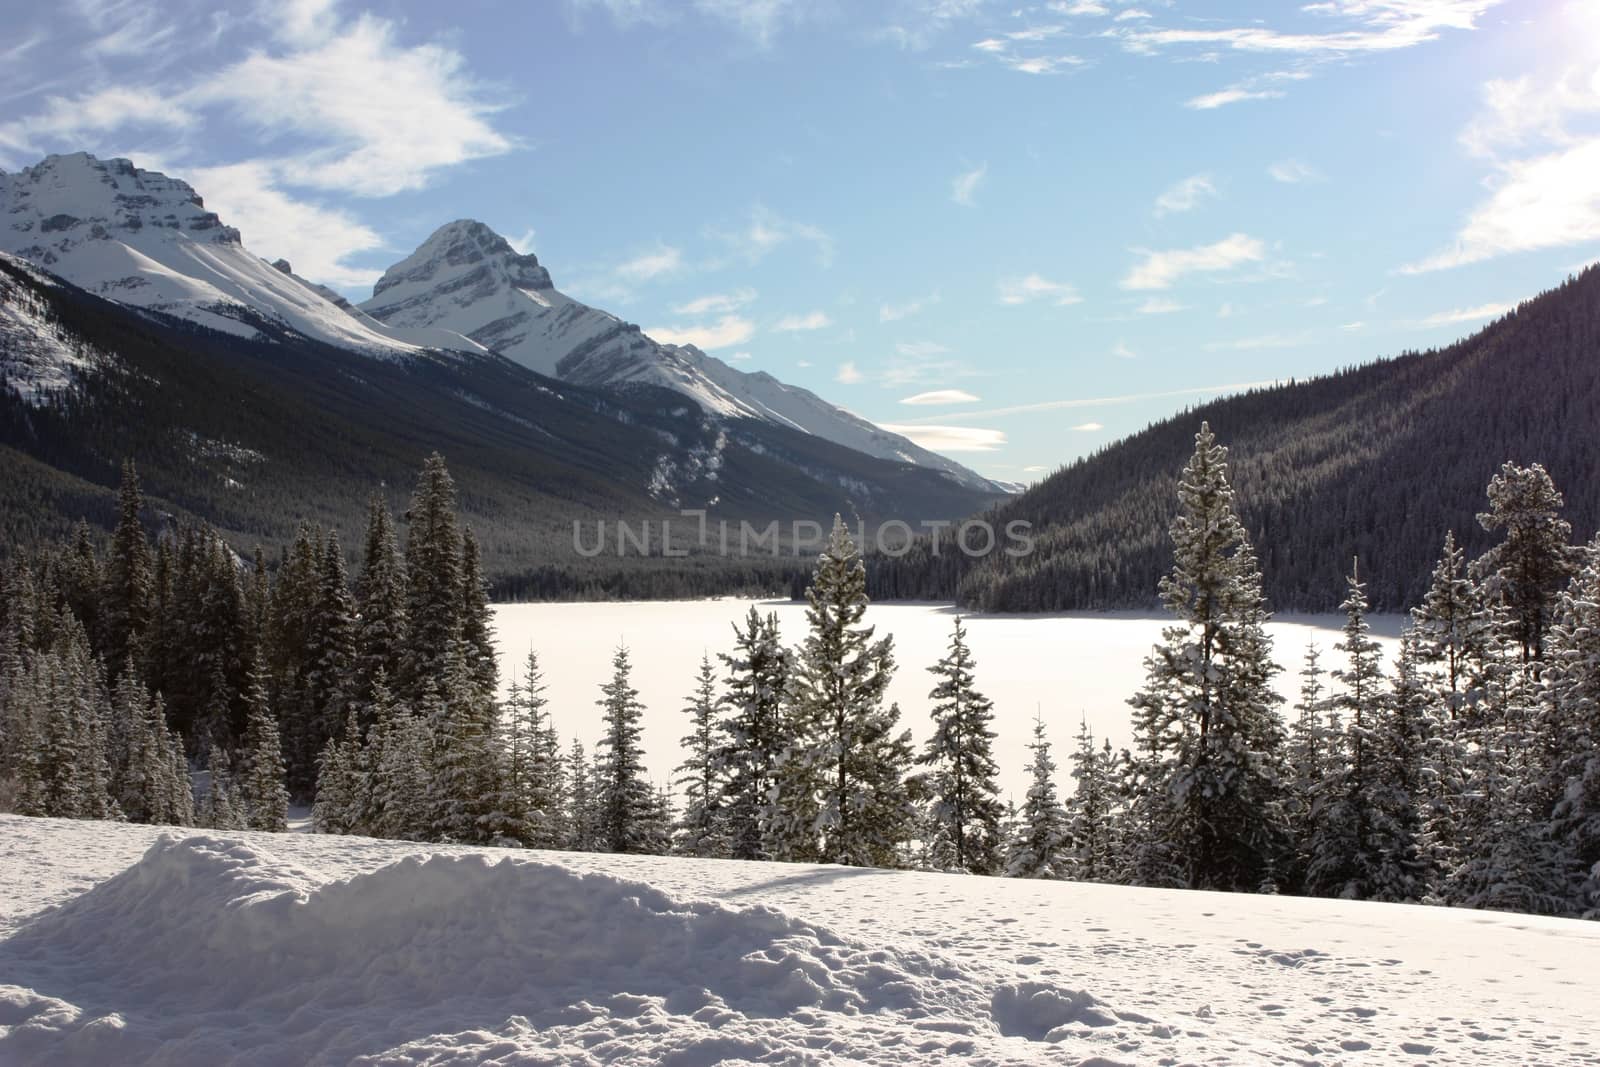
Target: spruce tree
{"points": [[700, 827], [839, 681], [381, 608], [1041, 848], [261, 789], [532, 789], [1091, 822], [434, 587], [582, 816], [1211, 773], [128, 584], [966, 801], [623, 797], [1449, 624], [477, 623], [754, 738], [1526, 571]]}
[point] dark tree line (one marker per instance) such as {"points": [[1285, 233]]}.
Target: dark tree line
{"points": [[1467, 772]]}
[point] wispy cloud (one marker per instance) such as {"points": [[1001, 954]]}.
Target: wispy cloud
{"points": [[1259, 341], [1157, 305], [849, 374], [896, 312], [716, 303], [522, 244], [1370, 26], [1112, 401], [1031, 287], [920, 349], [950, 438], [765, 231], [1088, 427], [965, 185], [1185, 195], [941, 397], [1235, 95], [1481, 313], [1539, 140], [660, 261], [1293, 172], [725, 332], [1159, 270], [811, 320]]}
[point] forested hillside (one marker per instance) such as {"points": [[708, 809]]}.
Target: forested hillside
{"points": [[1376, 461]]}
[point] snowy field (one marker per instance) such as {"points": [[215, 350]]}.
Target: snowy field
{"points": [[1082, 664], [119, 945]]}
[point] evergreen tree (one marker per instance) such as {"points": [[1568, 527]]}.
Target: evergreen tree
{"points": [[624, 799], [966, 801], [261, 790], [1091, 822], [1526, 571], [381, 608], [755, 737], [477, 624], [466, 786], [533, 791], [582, 817], [1041, 848], [1570, 734], [400, 750], [1210, 776], [700, 828], [342, 781], [1449, 623], [219, 812], [840, 677], [128, 584], [434, 587]]}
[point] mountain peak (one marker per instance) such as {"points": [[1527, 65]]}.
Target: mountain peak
{"points": [[77, 197], [468, 253]]}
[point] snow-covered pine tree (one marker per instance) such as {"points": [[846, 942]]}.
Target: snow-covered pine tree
{"points": [[532, 792], [1348, 842], [1404, 744], [1310, 750], [1209, 735], [960, 754], [381, 608], [700, 827], [218, 811], [466, 787], [754, 738], [400, 745], [1526, 571], [582, 817], [623, 797], [342, 782], [477, 622], [1041, 848], [1091, 814], [840, 677], [127, 600], [1449, 624], [434, 587], [261, 789], [328, 658]]}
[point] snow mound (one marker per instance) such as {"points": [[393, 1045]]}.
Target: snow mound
{"points": [[210, 950]]}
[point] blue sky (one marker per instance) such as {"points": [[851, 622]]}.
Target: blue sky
{"points": [[1016, 232]]}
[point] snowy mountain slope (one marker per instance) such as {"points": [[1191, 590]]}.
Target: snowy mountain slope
{"points": [[143, 239], [278, 948], [468, 279], [38, 356]]}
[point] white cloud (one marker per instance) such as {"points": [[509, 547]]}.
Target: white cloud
{"points": [[1122, 351], [63, 119], [716, 303], [655, 263], [941, 396], [759, 21], [1372, 26], [1540, 142], [1481, 313], [1160, 269], [812, 320], [1032, 287], [920, 349], [1088, 427], [766, 231], [740, 357], [1224, 97], [1157, 305], [1293, 172], [726, 331], [1112, 401], [1185, 195], [951, 438], [375, 117], [317, 241], [522, 244], [896, 312], [848, 374], [966, 184], [1268, 340], [126, 29]]}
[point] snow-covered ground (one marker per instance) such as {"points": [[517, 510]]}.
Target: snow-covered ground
{"points": [[1063, 666], [122, 945]]}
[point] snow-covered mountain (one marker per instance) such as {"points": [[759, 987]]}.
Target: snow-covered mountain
{"points": [[467, 279], [146, 240]]}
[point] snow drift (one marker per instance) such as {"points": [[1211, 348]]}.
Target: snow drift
{"points": [[210, 950]]}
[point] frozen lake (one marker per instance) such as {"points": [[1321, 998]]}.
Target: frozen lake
{"points": [[1066, 666]]}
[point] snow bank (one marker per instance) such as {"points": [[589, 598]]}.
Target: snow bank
{"points": [[211, 950]]}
